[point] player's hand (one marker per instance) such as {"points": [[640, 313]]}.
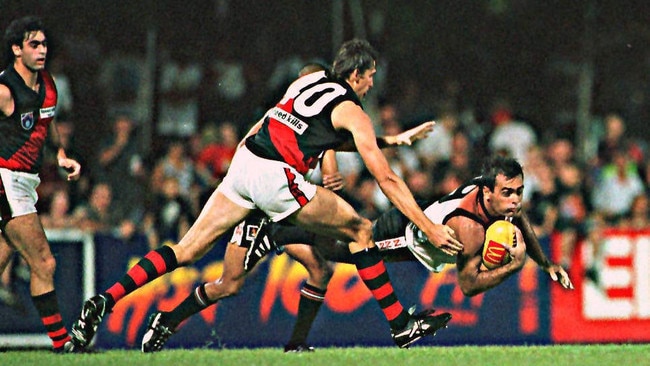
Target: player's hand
{"points": [[444, 238], [558, 274], [408, 137], [518, 250], [333, 182], [72, 167]]}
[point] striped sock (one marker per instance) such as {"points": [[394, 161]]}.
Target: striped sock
{"points": [[195, 302], [372, 271], [155, 264], [48, 309], [311, 299]]}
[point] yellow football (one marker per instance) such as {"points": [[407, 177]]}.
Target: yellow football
{"points": [[497, 236]]}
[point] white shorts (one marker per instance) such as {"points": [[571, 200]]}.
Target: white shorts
{"points": [[19, 194], [272, 186]]}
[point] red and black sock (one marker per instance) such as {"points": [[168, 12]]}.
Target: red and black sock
{"points": [[372, 271], [311, 299], [48, 309], [195, 302], [155, 264]]}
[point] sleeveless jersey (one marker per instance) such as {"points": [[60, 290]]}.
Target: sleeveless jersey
{"points": [[394, 231], [299, 128], [23, 133]]}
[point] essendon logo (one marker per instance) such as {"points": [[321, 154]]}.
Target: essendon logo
{"points": [[494, 253]]}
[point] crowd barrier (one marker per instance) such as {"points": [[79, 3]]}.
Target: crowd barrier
{"points": [[526, 309]]}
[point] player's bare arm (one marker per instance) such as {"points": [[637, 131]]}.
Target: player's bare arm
{"points": [[6, 101], [351, 117], [332, 178], [473, 278], [535, 251], [70, 165], [407, 137]]}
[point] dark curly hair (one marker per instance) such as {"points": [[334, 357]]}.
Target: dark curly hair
{"points": [[15, 34]]}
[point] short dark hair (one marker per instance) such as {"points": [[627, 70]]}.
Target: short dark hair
{"points": [[355, 54], [496, 165], [15, 34]]}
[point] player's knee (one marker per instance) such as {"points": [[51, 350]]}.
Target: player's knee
{"points": [[184, 255], [321, 274], [43, 268], [231, 287], [363, 230]]}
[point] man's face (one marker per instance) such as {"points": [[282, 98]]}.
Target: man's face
{"points": [[507, 196], [362, 83], [33, 52]]}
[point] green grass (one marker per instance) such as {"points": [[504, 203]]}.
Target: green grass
{"points": [[579, 355]]}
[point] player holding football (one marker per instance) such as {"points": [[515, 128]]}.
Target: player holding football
{"points": [[469, 210], [320, 111]]}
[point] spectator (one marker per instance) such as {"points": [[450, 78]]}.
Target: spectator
{"points": [[180, 80], [176, 163], [99, 215], [169, 217], [59, 216], [613, 138], [542, 206], [437, 147], [214, 159], [638, 218], [511, 136], [617, 185], [120, 165]]}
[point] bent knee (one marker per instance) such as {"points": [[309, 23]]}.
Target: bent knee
{"points": [[43, 267], [363, 231]]}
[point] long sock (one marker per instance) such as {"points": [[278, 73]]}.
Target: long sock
{"points": [[195, 302], [372, 271], [311, 299], [48, 309], [155, 264]]}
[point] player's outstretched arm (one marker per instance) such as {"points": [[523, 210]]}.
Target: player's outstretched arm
{"points": [[351, 117], [407, 137], [535, 251]]}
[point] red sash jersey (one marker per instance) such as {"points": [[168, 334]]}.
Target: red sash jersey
{"points": [[23, 133], [299, 128]]}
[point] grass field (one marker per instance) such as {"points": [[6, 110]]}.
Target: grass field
{"points": [[579, 355]]}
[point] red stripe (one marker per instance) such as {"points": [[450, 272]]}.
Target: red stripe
{"points": [[372, 272], [620, 261], [382, 291], [117, 291], [294, 189], [49, 320], [393, 311], [60, 343], [158, 262], [138, 274], [57, 333], [620, 292]]}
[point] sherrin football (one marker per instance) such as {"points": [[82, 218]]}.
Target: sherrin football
{"points": [[497, 236]]}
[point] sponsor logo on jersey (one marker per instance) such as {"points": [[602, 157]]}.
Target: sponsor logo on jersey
{"points": [[47, 112], [391, 243], [27, 120], [289, 120]]}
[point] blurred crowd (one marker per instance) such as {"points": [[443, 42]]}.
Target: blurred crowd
{"points": [[133, 189]]}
